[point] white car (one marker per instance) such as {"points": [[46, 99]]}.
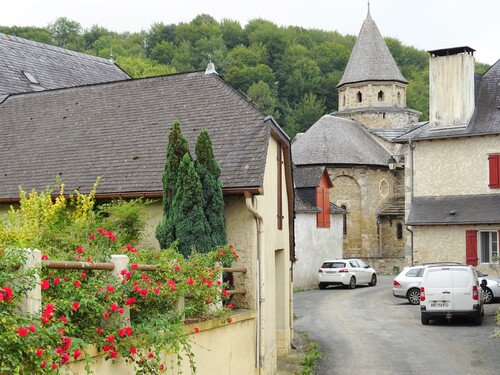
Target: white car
{"points": [[346, 272]]}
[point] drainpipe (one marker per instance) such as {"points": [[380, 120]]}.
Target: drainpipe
{"points": [[411, 146], [260, 299]]}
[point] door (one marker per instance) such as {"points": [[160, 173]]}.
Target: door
{"points": [[462, 289]]}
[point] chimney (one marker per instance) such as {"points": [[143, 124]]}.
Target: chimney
{"points": [[451, 87]]}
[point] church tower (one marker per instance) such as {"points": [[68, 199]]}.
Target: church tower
{"points": [[372, 89]]}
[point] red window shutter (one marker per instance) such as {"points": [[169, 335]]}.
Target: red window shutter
{"points": [[471, 247], [319, 203], [326, 208], [494, 169]]}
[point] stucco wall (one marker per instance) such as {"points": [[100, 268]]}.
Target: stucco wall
{"points": [[213, 347], [456, 166], [314, 245]]}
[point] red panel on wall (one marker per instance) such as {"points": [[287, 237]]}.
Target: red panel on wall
{"points": [[471, 247]]}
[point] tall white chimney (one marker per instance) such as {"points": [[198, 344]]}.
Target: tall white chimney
{"points": [[451, 87]]}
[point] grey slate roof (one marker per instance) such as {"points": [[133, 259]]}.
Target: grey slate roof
{"points": [[370, 58], [119, 131], [333, 140], [457, 209], [303, 206], [52, 67], [393, 208], [307, 176], [486, 116]]}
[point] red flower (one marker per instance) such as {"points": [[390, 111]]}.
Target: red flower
{"points": [[162, 367], [235, 255], [110, 288], [157, 290], [45, 257], [99, 330], [39, 352], [56, 281], [110, 338], [133, 351], [63, 319], [151, 355], [230, 306], [54, 366], [43, 364], [79, 250], [231, 246], [77, 353], [45, 285], [65, 358], [106, 314], [92, 236], [120, 310], [113, 354], [75, 306], [83, 275], [23, 332], [190, 281], [177, 267], [77, 283], [196, 329], [130, 301], [32, 328], [113, 307], [134, 266], [6, 294]]}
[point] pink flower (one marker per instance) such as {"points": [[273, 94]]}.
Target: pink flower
{"points": [[75, 306], [110, 288], [23, 332], [32, 328], [45, 285]]}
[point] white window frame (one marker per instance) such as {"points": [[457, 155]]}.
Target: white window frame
{"points": [[492, 252]]}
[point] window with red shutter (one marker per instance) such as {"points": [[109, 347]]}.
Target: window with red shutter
{"points": [[471, 247], [494, 171]]}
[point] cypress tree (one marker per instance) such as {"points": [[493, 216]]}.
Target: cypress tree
{"points": [[209, 172], [176, 149], [191, 227]]}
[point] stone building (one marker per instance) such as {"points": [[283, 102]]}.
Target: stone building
{"points": [[356, 143]]}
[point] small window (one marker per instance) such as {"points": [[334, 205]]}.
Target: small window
{"points": [[488, 242], [414, 272], [359, 96], [343, 99], [399, 98], [344, 219], [399, 231], [380, 96]]}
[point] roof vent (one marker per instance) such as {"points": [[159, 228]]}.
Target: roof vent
{"points": [[452, 212], [210, 68], [30, 78]]}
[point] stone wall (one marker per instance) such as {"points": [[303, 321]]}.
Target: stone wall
{"points": [[373, 94]]}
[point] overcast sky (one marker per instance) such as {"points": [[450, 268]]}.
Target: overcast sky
{"points": [[424, 24]]}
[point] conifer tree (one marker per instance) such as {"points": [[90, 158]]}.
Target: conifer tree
{"points": [[191, 227], [209, 172], [176, 149]]}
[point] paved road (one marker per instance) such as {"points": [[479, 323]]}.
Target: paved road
{"points": [[368, 331]]}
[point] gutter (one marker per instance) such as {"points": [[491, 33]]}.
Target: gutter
{"points": [[260, 299]]}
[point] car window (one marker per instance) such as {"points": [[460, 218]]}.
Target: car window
{"points": [[361, 263], [354, 264], [333, 265], [415, 272]]}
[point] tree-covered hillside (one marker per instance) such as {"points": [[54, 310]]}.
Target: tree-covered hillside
{"points": [[290, 72]]}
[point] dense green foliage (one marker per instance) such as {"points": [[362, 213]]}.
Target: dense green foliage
{"points": [[208, 170], [282, 69]]}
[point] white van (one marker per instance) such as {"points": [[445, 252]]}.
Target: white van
{"points": [[450, 290]]}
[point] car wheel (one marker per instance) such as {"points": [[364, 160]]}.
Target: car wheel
{"points": [[413, 296], [374, 280], [352, 283], [488, 295], [322, 285], [424, 320]]}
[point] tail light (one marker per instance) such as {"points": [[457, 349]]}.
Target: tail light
{"points": [[395, 283], [320, 270], [474, 293], [343, 270], [422, 294]]}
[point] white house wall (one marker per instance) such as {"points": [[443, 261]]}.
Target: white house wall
{"points": [[314, 245]]}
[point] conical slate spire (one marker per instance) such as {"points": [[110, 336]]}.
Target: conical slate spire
{"points": [[370, 59]]}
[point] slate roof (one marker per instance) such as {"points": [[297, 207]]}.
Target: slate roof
{"points": [[52, 67], [457, 209], [119, 131], [334, 140], [303, 206], [393, 208], [485, 119], [307, 176], [370, 58]]}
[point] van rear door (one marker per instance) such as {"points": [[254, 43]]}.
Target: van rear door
{"points": [[438, 288], [462, 289]]}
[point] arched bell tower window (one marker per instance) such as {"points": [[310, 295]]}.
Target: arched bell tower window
{"points": [[399, 231], [380, 96], [343, 99], [359, 96], [399, 98]]}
